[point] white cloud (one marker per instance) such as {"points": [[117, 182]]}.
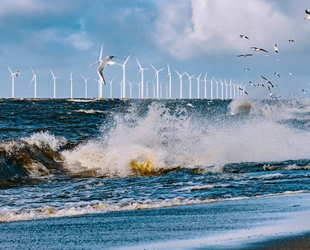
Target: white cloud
{"points": [[80, 40], [25, 6], [188, 28]]}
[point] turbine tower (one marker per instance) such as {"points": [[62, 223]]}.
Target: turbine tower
{"points": [[190, 84], [34, 79], [181, 83], [54, 79], [169, 75], [85, 80], [124, 77], [205, 81], [71, 81], [111, 84], [142, 78], [198, 85], [157, 80], [13, 75]]}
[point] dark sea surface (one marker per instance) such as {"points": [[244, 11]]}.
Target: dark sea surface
{"points": [[72, 157]]}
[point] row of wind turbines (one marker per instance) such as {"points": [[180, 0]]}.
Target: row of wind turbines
{"points": [[213, 88]]}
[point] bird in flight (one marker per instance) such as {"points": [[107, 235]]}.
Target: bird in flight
{"points": [[243, 36], [245, 55], [276, 48], [308, 13], [259, 49], [291, 41], [272, 86], [276, 73]]}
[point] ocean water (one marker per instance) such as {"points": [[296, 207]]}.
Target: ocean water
{"points": [[63, 158]]}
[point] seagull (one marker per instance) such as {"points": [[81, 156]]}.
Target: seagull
{"points": [[308, 13], [253, 84], [276, 73], [272, 86], [103, 64], [245, 55], [246, 69], [276, 48], [302, 90], [243, 91], [259, 49], [243, 36], [291, 41]]}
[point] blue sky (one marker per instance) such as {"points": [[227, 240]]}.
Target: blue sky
{"points": [[191, 35]]}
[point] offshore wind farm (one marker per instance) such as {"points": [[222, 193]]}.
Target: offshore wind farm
{"points": [[154, 124]]}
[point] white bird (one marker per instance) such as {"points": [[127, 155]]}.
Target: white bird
{"points": [[243, 36], [276, 48], [276, 73], [259, 49], [308, 13]]}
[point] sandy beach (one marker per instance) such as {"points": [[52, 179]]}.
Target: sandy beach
{"points": [[257, 223]]}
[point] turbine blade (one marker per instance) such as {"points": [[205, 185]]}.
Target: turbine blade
{"points": [[10, 70], [139, 63], [100, 57]]}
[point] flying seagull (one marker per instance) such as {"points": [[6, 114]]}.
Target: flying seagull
{"points": [[103, 64], [243, 36], [259, 49], [243, 91], [272, 86], [291, 41], [246, 69], [276, 48], [276, 73], [308, 13], [245, 55]]}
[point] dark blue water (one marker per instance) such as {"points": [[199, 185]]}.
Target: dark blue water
{"points": [[71, 157]]}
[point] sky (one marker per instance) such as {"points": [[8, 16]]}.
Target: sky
{"points": [[191, 35]]}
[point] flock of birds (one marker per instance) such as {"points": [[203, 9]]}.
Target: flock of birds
{"points": [[103, 63]]}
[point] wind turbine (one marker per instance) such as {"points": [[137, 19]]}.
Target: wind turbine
{"points": [[99, 81], [142, 77], [13, 75], [157, 80], [130, 89], [198, 85], [205, 81], [169, 75], [111, 84], [124, 76], [211, 90], [71, 81], [54, 79], [181, 83], [190, 84], [34, 79], [86, 80]]}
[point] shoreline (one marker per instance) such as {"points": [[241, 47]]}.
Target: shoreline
{"points": [[255, 223]]}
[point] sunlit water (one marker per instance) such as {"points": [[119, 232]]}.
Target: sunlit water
{"points": [[64, 158]]}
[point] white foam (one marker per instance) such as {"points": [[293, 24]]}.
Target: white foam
{"points": [[45, 140]]}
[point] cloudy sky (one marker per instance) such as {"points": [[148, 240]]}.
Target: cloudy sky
{"points": [[191, 35]]}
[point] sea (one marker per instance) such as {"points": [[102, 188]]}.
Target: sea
{"points": [[66, 158]]}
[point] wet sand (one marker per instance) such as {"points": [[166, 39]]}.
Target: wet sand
{"points": [[278, 222]]}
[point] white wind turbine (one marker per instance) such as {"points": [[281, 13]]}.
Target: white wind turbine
{"points": [[205, 81], [13, 75], [86, 80], [169, 75], [181, 83], [226, 87], [111, 88], [190, 84], [71, 83], [157, 80], [142, 77], [54, 79], [124, 77], [147, 89], [222, 89], [34, 79], [198, 85], [130, 89], [211, 90], [217, 89], [99, 81]]}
